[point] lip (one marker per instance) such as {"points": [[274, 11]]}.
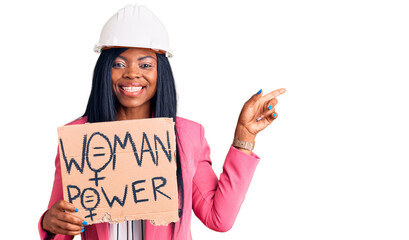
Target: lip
{"points": [[131, 89]]}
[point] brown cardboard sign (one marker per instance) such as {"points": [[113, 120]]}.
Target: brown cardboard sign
{"points": [[122, 170]]}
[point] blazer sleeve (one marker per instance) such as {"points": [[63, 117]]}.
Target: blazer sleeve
{"points": [[216, 202], [56, 195]]}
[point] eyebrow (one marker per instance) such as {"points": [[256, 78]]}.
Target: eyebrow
{"points": [[139, 59], [142, 58], [124, 58]]}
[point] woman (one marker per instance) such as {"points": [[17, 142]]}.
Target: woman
{"points": [[133, 80]]}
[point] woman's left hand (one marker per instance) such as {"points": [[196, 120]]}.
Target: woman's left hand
{"points": [[257, 113]]}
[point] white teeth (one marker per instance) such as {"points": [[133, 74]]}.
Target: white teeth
{"points": [[131, 89]]}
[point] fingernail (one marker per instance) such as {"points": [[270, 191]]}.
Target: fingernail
{"points": [[76, 209], [270, 107], [82, 230], [259, 91], [274, 115], [84, 223]]}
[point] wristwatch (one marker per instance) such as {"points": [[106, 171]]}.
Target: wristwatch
{"points": [[243, 145]]}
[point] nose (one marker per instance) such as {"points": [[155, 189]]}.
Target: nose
{"points": [[132, 72]]}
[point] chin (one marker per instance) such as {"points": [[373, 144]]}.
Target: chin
{"points": [[134, 104]]}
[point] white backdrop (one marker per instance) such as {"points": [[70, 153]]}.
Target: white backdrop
{"points": [[334, 164]]}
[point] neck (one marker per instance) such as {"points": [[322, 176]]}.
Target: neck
{"points": [[125, 113]]}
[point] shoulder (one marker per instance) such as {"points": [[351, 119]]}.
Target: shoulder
{"points": [[80, 120], [189, 130], [183, 124]]}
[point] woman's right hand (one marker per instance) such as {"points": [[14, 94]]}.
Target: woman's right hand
{"points": [[59, 220]]}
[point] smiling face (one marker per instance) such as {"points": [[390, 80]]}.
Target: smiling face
{"points": [[134, 76]]}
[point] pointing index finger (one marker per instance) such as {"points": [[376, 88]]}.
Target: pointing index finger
{"points": [[273, 94]]}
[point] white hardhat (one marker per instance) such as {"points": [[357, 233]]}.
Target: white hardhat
{"points": [[134, 26]]}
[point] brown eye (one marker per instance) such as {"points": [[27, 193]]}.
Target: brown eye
{"points": [[146, 65], [118, 65]]}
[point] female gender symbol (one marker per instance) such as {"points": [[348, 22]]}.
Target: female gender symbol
{"points": [[91, 201], [99, 157]]}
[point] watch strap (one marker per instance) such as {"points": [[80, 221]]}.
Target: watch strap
{"points": [[243, 144]]}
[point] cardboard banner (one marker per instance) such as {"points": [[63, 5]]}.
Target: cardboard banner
{"points": [[123, 170]]}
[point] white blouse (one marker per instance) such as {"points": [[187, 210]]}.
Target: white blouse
{"points": [[127, 230]]}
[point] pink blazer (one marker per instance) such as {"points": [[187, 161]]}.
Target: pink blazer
{"points": [[215, 202]]}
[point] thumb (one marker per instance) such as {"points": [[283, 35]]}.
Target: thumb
{"points": [[255, 97], [66, 206]]}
